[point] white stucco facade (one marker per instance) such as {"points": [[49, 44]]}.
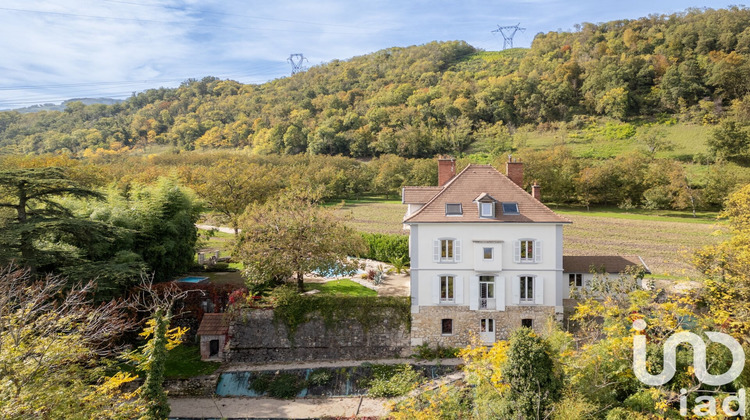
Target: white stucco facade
{"points": [[504, 267]]}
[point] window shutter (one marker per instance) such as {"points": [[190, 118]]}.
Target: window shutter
{"points": [[436, 250], [458, 289], [516, 290], [538, 251], [457, 250], [436, 290], [500, 293], [517, 252], [539, 290], [474, 293]]}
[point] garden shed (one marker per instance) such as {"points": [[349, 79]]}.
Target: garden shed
{"points": [[212, 333]]}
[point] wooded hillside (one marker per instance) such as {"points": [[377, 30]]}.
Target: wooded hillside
{"points": [[434, 98]]}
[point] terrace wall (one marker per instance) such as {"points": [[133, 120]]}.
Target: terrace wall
{"points": [[256, 338]]}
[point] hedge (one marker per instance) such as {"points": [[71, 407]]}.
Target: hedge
{"points": [[386, 247]]}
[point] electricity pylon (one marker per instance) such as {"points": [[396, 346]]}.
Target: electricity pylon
{"points": [[296, 61], [508, 36]]}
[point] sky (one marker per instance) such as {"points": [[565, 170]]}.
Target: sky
{"points": [[53, 50]]}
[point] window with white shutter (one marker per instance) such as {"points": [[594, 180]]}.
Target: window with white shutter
{"points": [[527, 251], [500, 293], [457, 250], [538, 251], [539, 290]]}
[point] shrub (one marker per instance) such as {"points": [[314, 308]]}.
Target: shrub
{"points": [[386, 247], [393, 381], [260, 383], [425, 352], [285, 386], [320, 377]]}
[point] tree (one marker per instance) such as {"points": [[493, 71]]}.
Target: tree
{"points": [[151, 357], [292, 234], [534, 383], [232, 185], [654, 139], [40, 232], [54, 346], [730, 140]]}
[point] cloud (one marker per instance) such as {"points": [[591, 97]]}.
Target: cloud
{"points": [[58, 49]]}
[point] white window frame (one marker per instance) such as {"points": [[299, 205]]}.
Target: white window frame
{"points": [[526, 244], [526, 286], [484, 253], [578, 276], [452, 247], [450, 288], [489, 206], [447, 250]]}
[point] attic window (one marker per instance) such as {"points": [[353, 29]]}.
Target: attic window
{"points": [[510, 209], [486, 209], [453, 209]]}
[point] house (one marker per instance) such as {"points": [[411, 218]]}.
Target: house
{"points": [[486, 256], [580, 269]]}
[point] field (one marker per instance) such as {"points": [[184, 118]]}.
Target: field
{"points": [[664, 240], [687, 140]]}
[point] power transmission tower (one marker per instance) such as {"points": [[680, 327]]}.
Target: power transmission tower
{"points": [[296, 61], [508, 32]]}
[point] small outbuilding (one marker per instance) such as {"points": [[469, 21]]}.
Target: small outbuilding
{"points": [[213, 333]]}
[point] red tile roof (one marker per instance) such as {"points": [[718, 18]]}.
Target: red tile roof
{"points": [[214, 324], [465, 187], [613, 264], [418, 195]]}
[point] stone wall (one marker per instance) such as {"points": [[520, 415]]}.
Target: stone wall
{"points": [[256, 338], [426, 326]]}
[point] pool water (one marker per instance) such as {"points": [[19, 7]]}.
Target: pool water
{"points": [[192, 279]]}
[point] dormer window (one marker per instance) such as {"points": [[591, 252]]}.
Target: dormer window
{"points": [[487, 209], [453, 209], [510, 209]]}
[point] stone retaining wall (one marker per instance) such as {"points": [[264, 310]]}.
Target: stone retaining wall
{"points": [[256, 338], [427, 324]]}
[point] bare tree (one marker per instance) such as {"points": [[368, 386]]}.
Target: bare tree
{"points": [[52, 344]]}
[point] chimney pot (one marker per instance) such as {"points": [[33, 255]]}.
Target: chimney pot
{"points": [[536, 191]]}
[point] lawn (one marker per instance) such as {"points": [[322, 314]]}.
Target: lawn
{"points": [[341, 287], [184, 361], [664, 239]]}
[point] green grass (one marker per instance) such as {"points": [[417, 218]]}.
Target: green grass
{"points": [[185, 362], [708, 217], [342, 287], [688, 140]]}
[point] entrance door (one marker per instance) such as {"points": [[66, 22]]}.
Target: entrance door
{"points": [[487, 330], [213, 348], [486, 292]]}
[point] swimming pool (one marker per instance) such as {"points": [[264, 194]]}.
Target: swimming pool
{"points": [[192, 279]]}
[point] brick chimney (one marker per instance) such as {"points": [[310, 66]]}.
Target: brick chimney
{"points": [[514, 170], [536, 191], [446, 170]]}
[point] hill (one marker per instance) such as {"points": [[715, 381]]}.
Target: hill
{"points": [[64, 104], [445, 97]]}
